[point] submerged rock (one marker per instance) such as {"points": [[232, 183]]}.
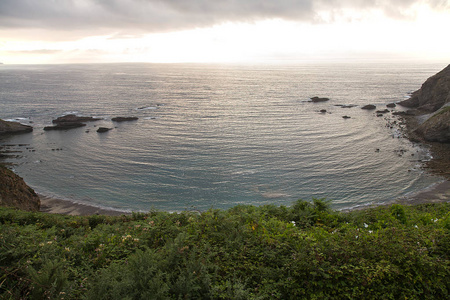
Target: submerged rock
{"points": [[7, 127], [124, 119], [391, 105], [382, 111], [346, 117]]}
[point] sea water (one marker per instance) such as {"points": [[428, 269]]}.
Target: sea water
{"points": [[215, 136]]}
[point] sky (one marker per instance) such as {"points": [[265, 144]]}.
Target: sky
{"points": [[222, 31]]}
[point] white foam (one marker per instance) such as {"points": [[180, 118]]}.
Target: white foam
{"points": [[146, 108]]}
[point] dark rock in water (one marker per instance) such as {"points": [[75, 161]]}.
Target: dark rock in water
{"points": [[391, 105], [70, 122], [433, 94], [103, 129], [14, 192], [379, 115], [318, 99], [347, 106], [124, 119], [65, 126], [369, 107], [382, 111], [323, 111], [346, 117], [74, 119], [13, 128]]}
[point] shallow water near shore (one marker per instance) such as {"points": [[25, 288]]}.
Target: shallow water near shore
{"points": [[215, 135]]}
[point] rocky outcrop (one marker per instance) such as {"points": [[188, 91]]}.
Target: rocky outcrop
{"points": [[13, 127], [14, 192], [64, 126], [369, 107], [433, 94], [318, 99], [70, 122], [432, 105], [437, 127], [124, 119], [74, 119], [103, 129]]}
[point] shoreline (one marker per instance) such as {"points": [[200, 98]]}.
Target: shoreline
{"points": [[65, 207]]}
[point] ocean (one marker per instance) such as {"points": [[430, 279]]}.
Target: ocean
{"points": [[215, 136]]}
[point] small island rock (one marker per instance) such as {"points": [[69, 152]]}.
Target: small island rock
{"points": [[103, 129], [369, 107], [124, 119]]}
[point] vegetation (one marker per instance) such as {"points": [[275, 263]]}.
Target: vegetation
{"points": [[305, 251]]}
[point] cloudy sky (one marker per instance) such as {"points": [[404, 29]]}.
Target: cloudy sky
{"points": [[65, 31]]}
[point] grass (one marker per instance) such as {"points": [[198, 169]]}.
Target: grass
{"points": [[306, 251]]}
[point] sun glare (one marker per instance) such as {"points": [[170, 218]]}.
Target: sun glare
{"points": [[348, 34]]}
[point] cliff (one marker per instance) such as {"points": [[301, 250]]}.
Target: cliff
{"points": [[13, 127], [14, 192], [434, 93], [432, 102]]}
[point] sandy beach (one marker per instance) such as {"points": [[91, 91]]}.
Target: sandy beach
{"points": [[65, 207]]}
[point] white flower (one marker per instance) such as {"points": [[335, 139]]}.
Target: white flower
{"points": [[356, 237], [370, 231], [365, 225], [293, 223], [416, 226]]}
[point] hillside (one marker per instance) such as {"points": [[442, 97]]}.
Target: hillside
{"points": [[306, 251]]}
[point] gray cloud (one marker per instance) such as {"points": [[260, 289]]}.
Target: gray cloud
{"points": [[167, 15]]}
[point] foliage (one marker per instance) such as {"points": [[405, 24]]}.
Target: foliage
{"points": [[306, 251]]}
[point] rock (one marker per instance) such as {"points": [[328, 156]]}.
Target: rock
{"points": [[409, 112], [317, 99], [382, 111], [103, 129], [124, 119], [379, 115], [433, 94], [346, 117], [323, 111], [7, 127], [14, 192], [391, 105], [64, 126], [369, 107], [346, 106], [74, 119], [437, 127], [70, 122]]}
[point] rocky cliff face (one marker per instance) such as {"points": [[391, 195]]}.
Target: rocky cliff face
{"points": [[13, 127], [433, 94], [433, 99], [14, 192]]}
